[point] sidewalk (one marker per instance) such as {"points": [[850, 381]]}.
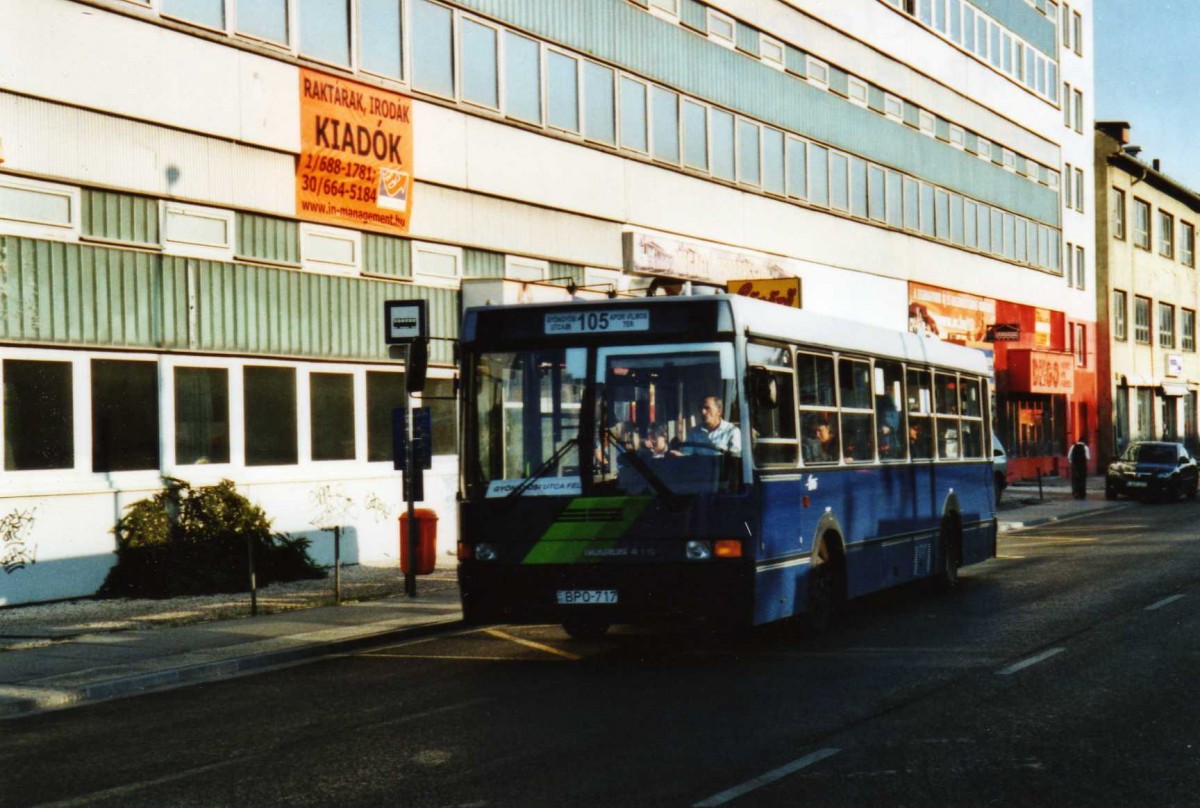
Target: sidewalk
{"points": [[65, 654]]}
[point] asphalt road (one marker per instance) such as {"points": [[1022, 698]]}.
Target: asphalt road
{"points": [[1064, 672]]}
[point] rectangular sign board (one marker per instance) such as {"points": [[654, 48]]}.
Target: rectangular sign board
{"points": [[591, 321], [404, 321]]}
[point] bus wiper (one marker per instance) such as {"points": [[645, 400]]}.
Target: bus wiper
{"points": [[550, 464], [643, 468]]}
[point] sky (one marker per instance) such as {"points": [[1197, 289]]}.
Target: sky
{"points": [[1147, 53]]}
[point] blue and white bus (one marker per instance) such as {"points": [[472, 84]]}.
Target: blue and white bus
{"points": [[713, 458]]}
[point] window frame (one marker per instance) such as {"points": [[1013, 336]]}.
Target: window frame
{"points": [[1187, 330], [1120, 315], [809, 63], [1166, 325], [1166, 234], [728, 42], [460, 74], [427, 279], [580, 62], [193, 249], [1143, 333], [1118, 213], [35, 228], [765, 42], [889, 101], [855, 84], [1187, 244], [513, 261], [1142, 240], [308, 230]]}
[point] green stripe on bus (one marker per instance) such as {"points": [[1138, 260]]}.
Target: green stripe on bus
{"points": [[587, 522]]}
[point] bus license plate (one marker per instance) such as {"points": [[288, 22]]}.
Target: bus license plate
{"points": [[576, 597], [1135, 485]]}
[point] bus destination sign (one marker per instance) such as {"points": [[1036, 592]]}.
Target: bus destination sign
{"points": [[597, 321]]}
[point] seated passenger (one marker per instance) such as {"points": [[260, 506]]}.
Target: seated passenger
{"points": [[656, 446], [821, 445]]}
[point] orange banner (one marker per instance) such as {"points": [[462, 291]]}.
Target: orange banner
{"points": [[953, 316], [355, 164]]}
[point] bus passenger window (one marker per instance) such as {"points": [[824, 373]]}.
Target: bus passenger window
{"points": [[820, 437], [919, 402], [815, 376], [773, 425], [947, 438], [858, 429], [920, 446], [889, 396]]}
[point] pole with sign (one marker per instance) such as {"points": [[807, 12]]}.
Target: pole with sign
{"points": [[406, 331]]}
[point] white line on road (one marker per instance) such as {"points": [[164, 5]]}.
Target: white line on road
{"points": [[1033, 660], [1159, 604], [766, 779]]}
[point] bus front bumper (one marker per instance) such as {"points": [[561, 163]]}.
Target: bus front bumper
{"points": [[718, 592]]}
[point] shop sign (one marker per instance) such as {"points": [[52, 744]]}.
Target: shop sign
{"points": [[784, 291], [356, 152], [1041, 372], [1041, 328], [1174, 364], [1004, 332], [693, 259]]}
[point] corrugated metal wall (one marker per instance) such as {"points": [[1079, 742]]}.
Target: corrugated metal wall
{"points": [[618, 32], [59, 293], [121, 217], [694, 15], [482, 264], [748, 39], [268, 238], [387, 255]]}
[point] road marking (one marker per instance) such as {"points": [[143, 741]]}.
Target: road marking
{"points": [[766, 779], [1033, 660], [1159, 604], [1049, 542], [1010, 558], [549, 649], [460, 657]]}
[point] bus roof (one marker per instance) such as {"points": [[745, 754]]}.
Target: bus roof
{"points": [[758, 318]]}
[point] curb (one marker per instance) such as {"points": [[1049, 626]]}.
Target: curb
{"points": [[18, 701], [1009, 526]]}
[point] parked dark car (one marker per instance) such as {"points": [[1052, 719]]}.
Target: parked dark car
{"points": [[1152, 469]]}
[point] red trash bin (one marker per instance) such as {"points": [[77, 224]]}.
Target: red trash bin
{"points": [[427, 519]]}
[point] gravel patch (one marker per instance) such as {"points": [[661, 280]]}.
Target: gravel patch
{"points": [[42, 624]]}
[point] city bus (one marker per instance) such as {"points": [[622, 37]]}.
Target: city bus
{"points": [[712, 458]]}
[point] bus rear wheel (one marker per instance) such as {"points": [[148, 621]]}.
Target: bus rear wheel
{"points": [[585, 628], [950, 549]]}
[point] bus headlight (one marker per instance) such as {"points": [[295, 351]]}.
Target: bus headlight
{"points": [[698, 550], [485, 551]]}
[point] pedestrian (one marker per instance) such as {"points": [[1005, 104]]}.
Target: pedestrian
{"points": [[1078, 456]]}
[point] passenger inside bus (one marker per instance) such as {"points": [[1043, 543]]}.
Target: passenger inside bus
{"points": [[919, 444], [713, 435], [656, 446], [821, 445]]}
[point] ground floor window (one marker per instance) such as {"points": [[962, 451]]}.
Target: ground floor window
{"points": [[332, 415], [270, 404], [1033, 425], [124, 415], [1170, 420], [1190, 438], [385, 392], [38, 422], [1120, 420], [1145, 414], [201, 415]]}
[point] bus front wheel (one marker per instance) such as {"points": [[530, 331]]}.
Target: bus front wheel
{"points": [[950, 548], [825, 589], [585, 628]]}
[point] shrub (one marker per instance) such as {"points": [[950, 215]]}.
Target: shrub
{"points": [[192, 541]]}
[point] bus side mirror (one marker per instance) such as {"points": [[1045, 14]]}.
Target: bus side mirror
{"points": [[763, 388]]}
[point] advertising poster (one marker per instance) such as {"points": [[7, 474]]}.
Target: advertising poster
{"points": [[355, 164], [952, 316]]}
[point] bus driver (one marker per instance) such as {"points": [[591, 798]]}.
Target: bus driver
{"points": [[713, 430]]}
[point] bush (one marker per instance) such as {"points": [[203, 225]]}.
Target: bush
{"points": [[192, 541]]}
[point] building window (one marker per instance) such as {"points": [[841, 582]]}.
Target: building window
{"points": [[818, 175], [269, 402], [209, 13], [1066, 104], [599, 104], [1187, 244], [695, 135], [325, 30], [926, 123], [331, 415], [1077, 111], [1120, 311], [722, 144], [633, 115], [771, 51], [522, 78], [1077, 31], [893, 107], [839, 181], [198, 232], [1080, 190], [436, 263], [124, 415], [39, 431], [478, 47], [721, 28], [1079, 340], [1187, 329], [38, 209], [1118, 213], [958, 137], [562, 91], [857, 90], [526, 269], [1009, 159], [385, 392], [796, 153], [330, 249], [1166, 234], [772, 161], [1141, 320], [1141, 223], [1068, 179], [1080, 268], [264, 20], [432, 48], [984, 149], [381, 40], [665, 117], [1166, 325], [749, 169], [818, 72], [201, 415]]}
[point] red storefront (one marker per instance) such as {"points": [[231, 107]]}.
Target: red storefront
{"points": [[1044, 366]]}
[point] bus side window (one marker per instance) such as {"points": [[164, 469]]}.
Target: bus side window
{"points": [[889, 417], [919, 403], [772, 425], [858, 430]]}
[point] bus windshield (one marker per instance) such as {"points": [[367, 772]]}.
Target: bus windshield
{"points": [[664, 420], [667, 419]]}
